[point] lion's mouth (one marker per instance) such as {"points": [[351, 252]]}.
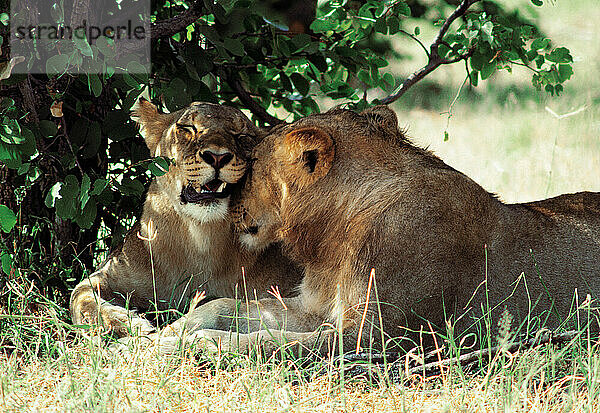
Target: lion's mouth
{"points": [[210, 191]]}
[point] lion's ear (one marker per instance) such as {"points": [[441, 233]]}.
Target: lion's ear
{"points": [[311, 151], [152, 122], [383, 118]]}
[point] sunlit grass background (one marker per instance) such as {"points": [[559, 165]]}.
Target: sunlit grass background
{"points": [[501, 135]]}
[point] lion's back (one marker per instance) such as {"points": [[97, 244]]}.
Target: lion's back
{"points": [[579, 208]]}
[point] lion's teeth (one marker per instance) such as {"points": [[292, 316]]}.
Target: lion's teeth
{"points": [[221, 187]]}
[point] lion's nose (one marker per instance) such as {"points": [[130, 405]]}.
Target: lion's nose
{"points": [[217, 161]]}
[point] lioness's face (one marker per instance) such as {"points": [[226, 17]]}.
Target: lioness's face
{"points": [[285, 164], [209, 144]]}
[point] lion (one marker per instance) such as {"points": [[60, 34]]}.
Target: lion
{"points": [[389, 235], [184, 241]]}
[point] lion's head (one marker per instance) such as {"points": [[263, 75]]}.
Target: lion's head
{"points": [[209, 144], [318, 160]]}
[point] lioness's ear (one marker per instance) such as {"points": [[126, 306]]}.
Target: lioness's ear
{"points": [[310, 153], [152, 122]]}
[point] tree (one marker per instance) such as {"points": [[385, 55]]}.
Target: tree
{"points": [[74, 169]]}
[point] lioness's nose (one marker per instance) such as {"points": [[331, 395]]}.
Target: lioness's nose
{"points": [[216, 161]]}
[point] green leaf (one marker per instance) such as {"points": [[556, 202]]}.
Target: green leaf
{"points": [[63, 196], [106, 46], [487, 29], [10, 132], [48, 128], [319, 61], [138, 71], [301, 41], [301, 84], [479, 60], [10, 155], [403, 9], [393, 25], [474, 77], [417, 30], [565, 71], [537, 2], [93, 139], [131, 187], [283, 46], [57, 64], [28, 147], [8, 219], [6, 104], [380, 26], [24, 168], [389, 79], [234, 46], [487, 70], [86, 218], [286, 82], [540, 44], [365, 77], [443, 51], [321, 25], [6, 262], [81, 43], [94, 84], [33, 174], [4, 18], [99, 186], [560, 55], [84, 195], [558, 89], [159, 166]]}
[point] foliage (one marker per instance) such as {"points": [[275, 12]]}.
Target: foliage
{"points": [[75, 166]]}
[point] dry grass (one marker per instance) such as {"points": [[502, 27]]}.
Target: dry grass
{"points": [[84, 378], [510, 145]]}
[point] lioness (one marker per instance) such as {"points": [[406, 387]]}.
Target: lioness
{"points": [[184, 240], [348, 193]]}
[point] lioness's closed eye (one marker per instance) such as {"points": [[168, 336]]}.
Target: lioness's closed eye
{"points": [[350, 196], [186, 210]]}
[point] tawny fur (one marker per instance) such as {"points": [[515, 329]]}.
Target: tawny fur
{"points": [[192, 247], [347, 192]]}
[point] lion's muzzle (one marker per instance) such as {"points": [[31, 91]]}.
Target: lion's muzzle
{"points": [[209, 192]]}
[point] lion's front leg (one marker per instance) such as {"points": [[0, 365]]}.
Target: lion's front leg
{"points": [[264, 341], [227, 324], [241, 316], [89, 306]]}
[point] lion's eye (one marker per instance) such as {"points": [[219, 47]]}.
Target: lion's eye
{"points": [[187, 128]]}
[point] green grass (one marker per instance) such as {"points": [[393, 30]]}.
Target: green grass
{"points": [[58, 371]]}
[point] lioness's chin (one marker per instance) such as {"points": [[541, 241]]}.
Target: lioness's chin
{"points": [[252, 242], [206, 212]]}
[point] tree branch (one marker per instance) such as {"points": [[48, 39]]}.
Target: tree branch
{"points": [[416, 39], [543, 337], [168, 27], [434, 59], [250, 103]]}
